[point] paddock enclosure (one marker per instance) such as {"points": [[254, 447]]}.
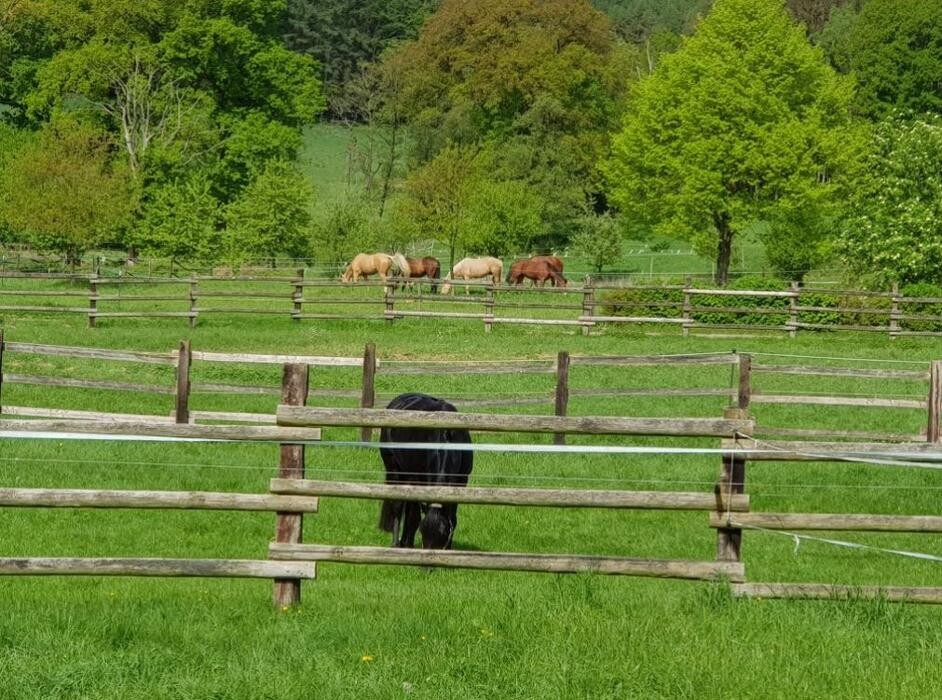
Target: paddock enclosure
{"points": [[591, 305], [324, 441]]}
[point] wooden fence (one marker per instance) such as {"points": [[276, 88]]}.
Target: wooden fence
{"points": [[292, 494], [568, 383], [289, 509], [683, 306]]}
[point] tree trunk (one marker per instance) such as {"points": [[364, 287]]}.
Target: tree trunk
{"points": [[724, 247]]}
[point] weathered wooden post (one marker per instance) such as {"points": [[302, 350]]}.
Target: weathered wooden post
{"points": [[562, 391], [744, 394], [733, 472], [894, 312], [389, 299], [368, 396], [92, 300], [489, 307], [1, 370], [687, 309], [588, 305], [732, 481], [297, 296], [793, 310], [934, 429], [288, 526], [194, 296], [182, 400]]}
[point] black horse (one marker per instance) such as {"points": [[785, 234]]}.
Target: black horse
{"points": [[436, 521]]}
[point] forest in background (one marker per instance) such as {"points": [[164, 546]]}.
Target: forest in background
{"points": [[173, 128]]}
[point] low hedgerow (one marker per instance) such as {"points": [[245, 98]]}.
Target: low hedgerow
{"points": [[922, 290]]}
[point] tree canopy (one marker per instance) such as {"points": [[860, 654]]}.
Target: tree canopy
{"points": [[539, 81], [195, 95], [746, 117], [895, 51]]}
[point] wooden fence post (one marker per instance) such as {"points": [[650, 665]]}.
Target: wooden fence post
{"points": [[687, 310], [745, 382], [588, 303], [182, 407], [489, 308], [194, 296], [389, 298], [934, 430], [894, 312], [562, 391], [732, 481], [793, 311], [92, 300], [1, 370], [368, 397], [298, 296], [288, 526]]}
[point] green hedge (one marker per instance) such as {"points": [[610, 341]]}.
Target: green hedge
{"points": [[668, 303]]}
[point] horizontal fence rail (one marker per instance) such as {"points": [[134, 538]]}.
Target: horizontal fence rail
{"points": [[226, 568], [145, 429], [560, 498], [185, 500], [593, 303], [596, 425], [507, 561]]}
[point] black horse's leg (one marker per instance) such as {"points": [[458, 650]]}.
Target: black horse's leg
{"points": [[410, 524], [395, 531]]}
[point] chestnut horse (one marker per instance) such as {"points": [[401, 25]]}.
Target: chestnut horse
{"points": [[474, 268], [425, 267], [538, 269], [366, 264]]}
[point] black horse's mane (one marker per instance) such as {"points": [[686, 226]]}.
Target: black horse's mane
{"points": [[420, 402]]}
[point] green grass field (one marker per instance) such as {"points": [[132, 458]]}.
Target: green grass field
{"points": [[389, 632]]}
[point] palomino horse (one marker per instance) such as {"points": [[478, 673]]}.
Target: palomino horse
{"points": [[429, 467], [425, 267], [474, 268], [366, 264], [538, 269]]}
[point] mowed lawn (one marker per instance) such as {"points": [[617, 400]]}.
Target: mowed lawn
{"points": [[390, 632]]}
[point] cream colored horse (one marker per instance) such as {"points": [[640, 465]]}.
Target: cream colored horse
{"points": [[472, 269], [366, 264]]}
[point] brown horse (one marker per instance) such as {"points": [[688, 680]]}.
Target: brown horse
{"points": [[366, 264], [551, 260], [538, 269], [472, 269], [425, 267]]}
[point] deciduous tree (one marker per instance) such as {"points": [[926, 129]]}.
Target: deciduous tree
{"points": [[744, 116], [894, 225], [895, 51], [64, 191]]}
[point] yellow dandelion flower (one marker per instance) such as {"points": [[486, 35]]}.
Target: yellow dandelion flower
{"points": [[366, 658]]}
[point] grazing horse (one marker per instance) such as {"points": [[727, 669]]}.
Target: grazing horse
{"points": [[425, 267], [382, 264], [436, 521], [551, 260], [538, 269], [474, 268]]}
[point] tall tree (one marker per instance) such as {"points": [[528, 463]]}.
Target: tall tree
{"points": [[64, 191], [344, 36], [200, 94], [541, 81], [744, 118], [893, 229], [895, 51]]}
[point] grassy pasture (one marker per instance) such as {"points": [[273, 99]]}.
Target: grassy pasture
{"points": [[391, 632]]}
